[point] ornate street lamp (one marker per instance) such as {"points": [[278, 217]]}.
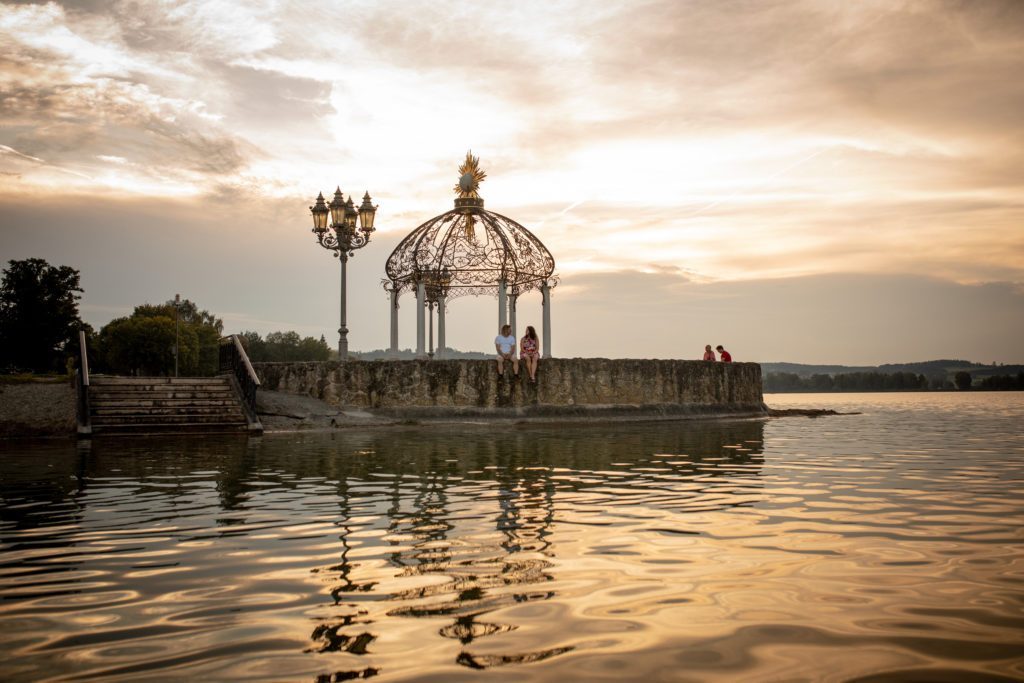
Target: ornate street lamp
{"points": [[343, 238]]}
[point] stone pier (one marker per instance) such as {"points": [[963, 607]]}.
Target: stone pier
{"points": [[565, 387]]}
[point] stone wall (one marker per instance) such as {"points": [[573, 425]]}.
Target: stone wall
{"points": [[577, 386]]}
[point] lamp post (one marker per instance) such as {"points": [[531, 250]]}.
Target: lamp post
{"points": [[177, 308], [343, 238]]}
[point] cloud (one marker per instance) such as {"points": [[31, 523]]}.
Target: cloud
{"points": [[716, 142], [72, 91]]}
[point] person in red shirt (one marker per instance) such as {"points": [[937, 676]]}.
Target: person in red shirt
{"points": [[726, 356]]}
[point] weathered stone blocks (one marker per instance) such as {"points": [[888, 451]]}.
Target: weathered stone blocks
{"points": [[571, 386]]}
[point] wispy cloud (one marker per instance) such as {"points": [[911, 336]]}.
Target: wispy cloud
{"points": [[737, 140]]}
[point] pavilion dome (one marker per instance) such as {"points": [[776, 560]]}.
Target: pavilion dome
{"points": [[470, 250]]}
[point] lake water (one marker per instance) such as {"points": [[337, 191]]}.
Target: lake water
{"points": [[884, 546]]}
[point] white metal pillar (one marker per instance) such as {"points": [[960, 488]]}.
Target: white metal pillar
{"points": [[393, 351], [430, 336], [545, 290], [421, 295], [512, 301], [440, 327], [502, 305]]}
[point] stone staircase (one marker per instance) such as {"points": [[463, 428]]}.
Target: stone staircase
{"points": [[121, 405]]}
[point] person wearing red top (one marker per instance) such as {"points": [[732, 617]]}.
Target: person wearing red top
{"points": [[726, 356]]}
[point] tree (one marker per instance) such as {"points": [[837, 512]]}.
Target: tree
{"points": [[39, 319], [962, 380], [143, 343], [284, 347]]}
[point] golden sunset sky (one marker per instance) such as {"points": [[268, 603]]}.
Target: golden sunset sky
{"points": [[805, 181]]}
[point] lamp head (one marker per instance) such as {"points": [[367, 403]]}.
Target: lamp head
{"points": [[319, 211], [367, 212], [337, 208]]}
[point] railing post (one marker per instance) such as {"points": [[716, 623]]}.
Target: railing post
{"points": [[82, 388]]}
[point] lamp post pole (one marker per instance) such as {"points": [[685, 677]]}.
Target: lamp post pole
{"points": [[343, 238], [177, 351]]}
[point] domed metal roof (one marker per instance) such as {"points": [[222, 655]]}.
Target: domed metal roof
{"points": [[470, 250]]}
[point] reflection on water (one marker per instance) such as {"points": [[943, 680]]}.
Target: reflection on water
{"points": [[874, 547]]}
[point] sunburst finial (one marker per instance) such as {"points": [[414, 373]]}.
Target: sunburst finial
{"points": [[470, 177]]}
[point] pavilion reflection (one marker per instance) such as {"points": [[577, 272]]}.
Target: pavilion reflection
{"points": [[475, 509], [429, 533]]}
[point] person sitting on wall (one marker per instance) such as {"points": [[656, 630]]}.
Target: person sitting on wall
{"points": [[708, 353], [529, 352], [505, 345], [726, 356]]}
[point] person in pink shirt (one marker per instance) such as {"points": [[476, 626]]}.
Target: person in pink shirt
{"points": [[708, 353]]}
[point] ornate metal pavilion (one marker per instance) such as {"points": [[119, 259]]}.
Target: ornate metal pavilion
{"points": [[468, 251]]}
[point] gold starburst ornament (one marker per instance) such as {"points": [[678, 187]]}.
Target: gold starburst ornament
{"points": [[470, 177]]}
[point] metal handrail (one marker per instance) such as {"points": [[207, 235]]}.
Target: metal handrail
{"points": [[85, 357], [245, 359], [235, 360], [82, 388]]}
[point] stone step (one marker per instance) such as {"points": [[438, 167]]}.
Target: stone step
{"points": [[158, 402], [147, 386], [165, 419], [151, 428], [100, 380], [139, 405], [227, 411], [160, 395]]}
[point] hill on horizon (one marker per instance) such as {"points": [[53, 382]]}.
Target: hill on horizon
{"points": [[928, 368]]}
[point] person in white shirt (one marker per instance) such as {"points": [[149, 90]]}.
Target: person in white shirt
{"points": [[505, 345]]}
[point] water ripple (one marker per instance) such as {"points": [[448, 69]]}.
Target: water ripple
{"points": [[878, 547]]}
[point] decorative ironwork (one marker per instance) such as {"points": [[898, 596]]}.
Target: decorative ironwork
{"points": [[342, 236], [475, 248]]}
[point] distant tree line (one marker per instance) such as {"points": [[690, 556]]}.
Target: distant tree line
{"points": [[783, 382], [410, 354], [1003, 382], [284, 347]]}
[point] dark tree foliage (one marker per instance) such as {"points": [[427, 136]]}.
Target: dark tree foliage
{"points": [[962, 380], [1004, 382], [781, 382], [39, 320], [284, 347], [143, 343]]}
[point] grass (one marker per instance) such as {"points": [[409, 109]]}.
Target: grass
{"points": [[31, 378]]}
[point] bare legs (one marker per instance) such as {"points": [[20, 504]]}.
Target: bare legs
{"points": [[531, 366]]}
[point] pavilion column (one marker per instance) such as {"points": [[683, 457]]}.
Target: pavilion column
{"points": [[545, 290], [393, 351], [502, 305], [440, 327], [512, 300], [430, 334], [421, 328]]}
